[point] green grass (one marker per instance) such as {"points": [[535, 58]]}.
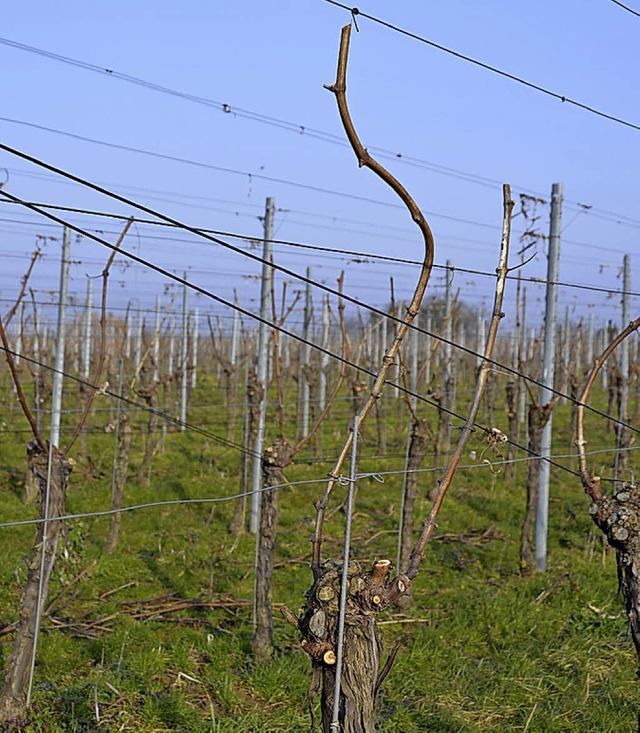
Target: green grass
{"points": [[479, 653]]}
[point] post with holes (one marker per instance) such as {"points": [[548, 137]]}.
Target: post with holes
{"points": [[235, 334], [548, 367], [624, 436], [447, 376], [156, 343], [263, 357], [523, 355], [413, 372], [184, 356], [86, 346], [56, 399], [194, 347], [137, 354], [324, 357], [305, 365], [20, 334]]}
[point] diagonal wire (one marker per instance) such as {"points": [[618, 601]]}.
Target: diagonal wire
{"points": [[488, 67], [337, 251], [257, 258], [626, 7]]}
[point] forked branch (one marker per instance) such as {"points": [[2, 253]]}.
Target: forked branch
{"points": [[103, 330], [23, 287], [364, 159], [10, 355], [468, 427]]}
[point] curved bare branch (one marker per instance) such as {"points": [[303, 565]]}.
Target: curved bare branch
{"points": [[364, 159], [591, 484]]}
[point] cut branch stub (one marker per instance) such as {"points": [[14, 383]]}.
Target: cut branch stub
{"points": [[369, 591], [619, 519]]}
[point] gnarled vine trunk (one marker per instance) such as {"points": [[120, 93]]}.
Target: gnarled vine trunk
{"points": [[318, 623], [421, 434], [274, 460], [13, 702]]}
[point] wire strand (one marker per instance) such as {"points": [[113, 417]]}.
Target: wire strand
{"points": [[279, 268], [486, 66], [336, 250]]}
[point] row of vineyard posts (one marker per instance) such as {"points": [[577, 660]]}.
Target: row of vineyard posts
{"points": [[433, 346]]}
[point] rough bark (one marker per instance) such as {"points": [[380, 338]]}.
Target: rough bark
{"points": [[14, 688], [358, 395], [619, 519], [421, 435], [152, 442], [537, 419], [512, 414], [274, 460], [120, 480], [254, 396], [318, 624]]}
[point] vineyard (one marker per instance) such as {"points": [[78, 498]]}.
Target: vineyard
{"points": [[150, 617], [255, 483]]}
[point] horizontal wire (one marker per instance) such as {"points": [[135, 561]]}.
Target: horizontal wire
{"points": [[375, 475], [247, 174], [297, 128], [488, 67], [334, 250], [399, 387], [273, 266], [170, 502], [132, 403]]}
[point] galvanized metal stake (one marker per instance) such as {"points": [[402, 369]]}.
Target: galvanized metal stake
{"points": [[335, 723], [263, 358], [184, 356], [548, 367], [56, 400]]}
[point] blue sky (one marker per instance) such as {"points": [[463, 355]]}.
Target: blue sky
{"points": [[272, 58]]}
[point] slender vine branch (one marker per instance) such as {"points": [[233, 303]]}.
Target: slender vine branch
{"points": [[468, 427], [591, 484], [16, 380], [25, 279], [103, 329], [341, 377], [364, 159]]}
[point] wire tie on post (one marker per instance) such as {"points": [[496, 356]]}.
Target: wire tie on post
{"points": [[354, 12]]}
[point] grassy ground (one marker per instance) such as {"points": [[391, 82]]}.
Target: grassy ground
{"points": [[479, 653]]}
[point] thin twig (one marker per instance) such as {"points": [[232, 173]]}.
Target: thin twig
{"points": [[23, 287], [468, 427], [591, 484], [21, 398], [103, 329]]}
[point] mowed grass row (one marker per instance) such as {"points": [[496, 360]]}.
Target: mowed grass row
{"points": [[478, 652]]}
